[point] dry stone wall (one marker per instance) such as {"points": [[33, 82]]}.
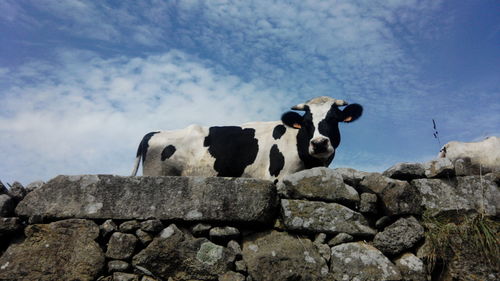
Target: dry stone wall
{"points": [[318, 224]]}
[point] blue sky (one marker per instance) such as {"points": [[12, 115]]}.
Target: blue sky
{"points": [[82, 81]]}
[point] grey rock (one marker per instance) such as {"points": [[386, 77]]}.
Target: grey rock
{"points": [[368, 203], [316, 217], [200, 229], [272, 256], [152, 226], [320, 238], [223, 234], [376, 183], [7, 205], [232, 276], [121, 245], [63, 250], [235, 247], [107, 228], [116, 265], [405, 171], [322, 184], [3, 188], [439, 168], [340, 238], [465, 194], [34, 185], [240, 266], [178, 255], [143, 236], [121, 276], [129, 226], [464, 167], [149, 278], [324, 250], [351, 176], [383, 222], [360, 261], [411, 267], [10, 226], [399, 236], [17, 191], [166, 198], [398, 197]]}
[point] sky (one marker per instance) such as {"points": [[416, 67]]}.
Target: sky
{"points": [[81, 82]]}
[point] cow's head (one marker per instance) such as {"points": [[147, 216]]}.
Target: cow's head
{"points": [[319, 135]]}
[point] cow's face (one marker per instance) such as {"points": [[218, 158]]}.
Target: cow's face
{"points": [[319, 134]]}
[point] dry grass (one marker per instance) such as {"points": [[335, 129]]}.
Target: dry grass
{"points": [[447, 240]]}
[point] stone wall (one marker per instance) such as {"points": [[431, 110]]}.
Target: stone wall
{"points": [[318, 224]]}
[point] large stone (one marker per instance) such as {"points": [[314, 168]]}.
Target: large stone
{"points": [[272, 256], [9, 226], [166, 198], [411, 267], [351, 176], [316, 217], [398, 197], [7, 205], [321, 184], [152, 226], [360, 261], [121, 245], [399, 236], [63, 250], [34, 185], [465, 194], [178, 255], [439, 168], [17, 191], [405, 171]]}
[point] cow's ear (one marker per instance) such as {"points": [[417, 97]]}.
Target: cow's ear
{"points": [[292, 119], [352, 112]]}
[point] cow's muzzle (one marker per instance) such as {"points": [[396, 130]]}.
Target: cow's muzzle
{"points": [[320, 147]]}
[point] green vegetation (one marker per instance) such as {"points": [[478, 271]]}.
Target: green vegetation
{"points": [[473, 236]]}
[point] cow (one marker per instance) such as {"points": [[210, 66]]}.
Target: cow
{"points": [[485, 153], [265, 150]]}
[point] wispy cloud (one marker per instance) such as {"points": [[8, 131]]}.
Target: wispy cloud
{"points": [[88, 116]]}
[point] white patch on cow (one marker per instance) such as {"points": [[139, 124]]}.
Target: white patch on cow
{"points": [[319, 112], [4, 266], [194, 214]]}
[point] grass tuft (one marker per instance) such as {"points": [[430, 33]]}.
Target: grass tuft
{"points": [[447, 240]]}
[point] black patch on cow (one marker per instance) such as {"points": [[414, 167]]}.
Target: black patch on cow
{"points": [[167, 152], [276, 161], [290, 118], [143, 146], [233, 148], [278, 131]]}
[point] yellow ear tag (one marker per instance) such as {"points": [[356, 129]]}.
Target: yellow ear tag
{"points": [[348, 119], [296, 125]]}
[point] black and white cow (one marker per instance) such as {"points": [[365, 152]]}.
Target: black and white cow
{"points": [[266, 150]]}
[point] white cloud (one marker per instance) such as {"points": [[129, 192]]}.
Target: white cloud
{"points": [[88, 116]]}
